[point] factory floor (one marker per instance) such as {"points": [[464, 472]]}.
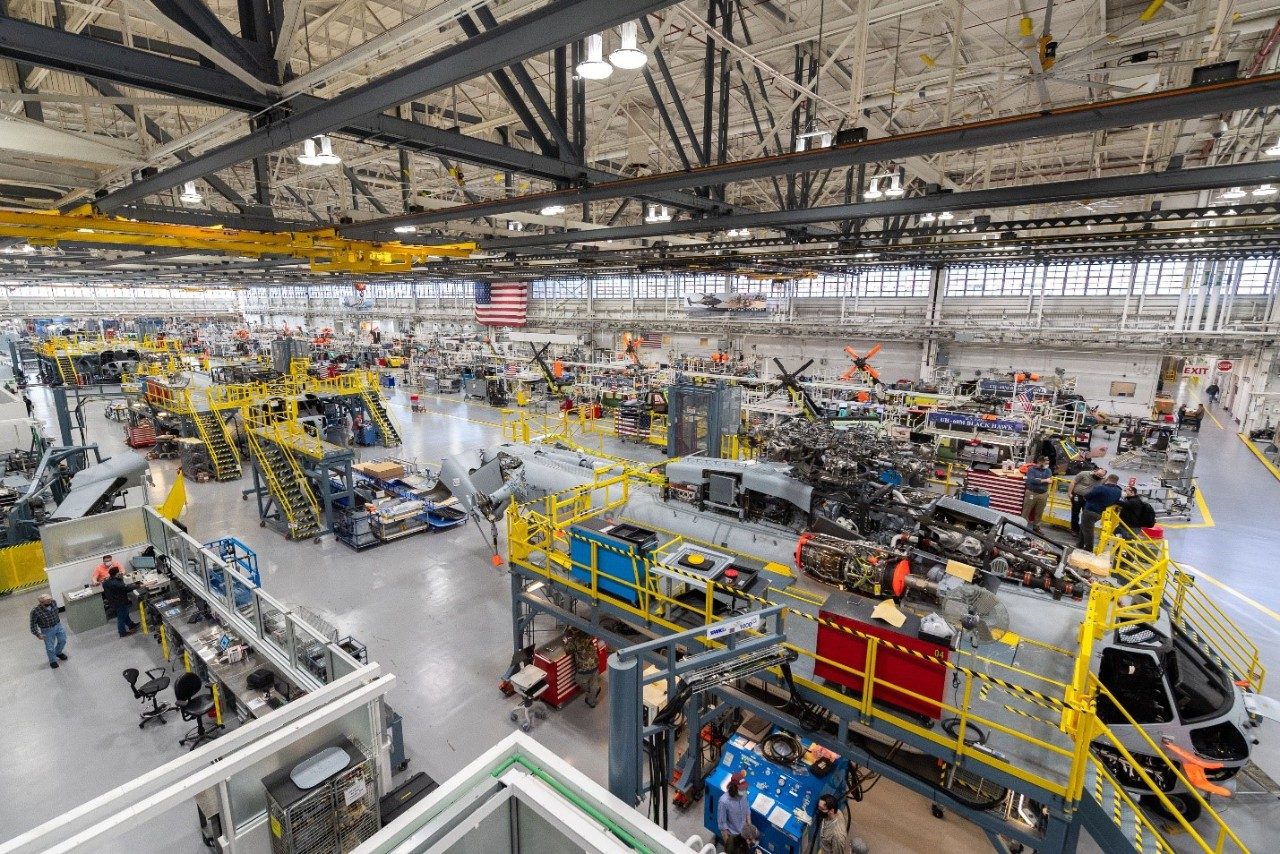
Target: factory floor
{"points": [[435, 612]]}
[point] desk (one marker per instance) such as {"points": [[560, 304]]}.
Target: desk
{"points": [[83, 606], [83, 609], [201, 640]]}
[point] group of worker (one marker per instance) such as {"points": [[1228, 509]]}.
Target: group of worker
{"points": [[1092, 492], [117, 598]]}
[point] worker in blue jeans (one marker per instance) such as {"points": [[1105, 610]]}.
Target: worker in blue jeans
{"points": [[46, 625], [115, 595]]}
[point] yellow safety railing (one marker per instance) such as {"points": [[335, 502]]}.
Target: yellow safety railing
{"points": [[1220, 837], [535, 528], [1058, 727], [206, 421], [1210, 627], [261, 427]]}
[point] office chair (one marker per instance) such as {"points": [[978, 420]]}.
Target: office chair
{"points": [[193, 706], [147, 691]]}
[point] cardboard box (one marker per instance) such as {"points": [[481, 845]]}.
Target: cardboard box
{"points": [[380, 469]]}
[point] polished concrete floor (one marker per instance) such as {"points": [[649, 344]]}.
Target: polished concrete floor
{"points": [[435, 612]]}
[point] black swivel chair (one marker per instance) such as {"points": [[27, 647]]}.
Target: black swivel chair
{"points": [[193, 706], [147, 691]]}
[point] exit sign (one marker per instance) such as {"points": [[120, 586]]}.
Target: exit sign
{"points": [[1195, 370]]}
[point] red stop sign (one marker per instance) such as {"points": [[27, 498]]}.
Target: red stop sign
{"points": [[1225, 366]]}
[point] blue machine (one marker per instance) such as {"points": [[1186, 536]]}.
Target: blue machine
{"points": [[618, 551], [783, 798], [243, 559]]}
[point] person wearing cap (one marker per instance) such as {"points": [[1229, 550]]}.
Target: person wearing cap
{"points": [[103, 569], [1037, 492], [1078, 490], [46, 625], [586, 663], [833, 834], [733, 815]]}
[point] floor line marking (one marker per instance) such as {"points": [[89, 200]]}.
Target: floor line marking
{"points": [[1200, 573], [1209, 412], [1248, 443]]}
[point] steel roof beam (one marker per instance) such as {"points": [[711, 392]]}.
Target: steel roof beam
{"points": [[518, 39], [162, 136], [1085, 118], [92, 57], [1185, 180]]}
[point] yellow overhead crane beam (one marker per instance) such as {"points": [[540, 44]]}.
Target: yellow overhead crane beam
{"points": [[323, 249]]}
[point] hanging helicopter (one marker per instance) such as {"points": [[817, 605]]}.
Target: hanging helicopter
{"points": [[724, 302]]}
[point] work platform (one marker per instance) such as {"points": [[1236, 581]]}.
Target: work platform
{"points": [[1016, 723]]}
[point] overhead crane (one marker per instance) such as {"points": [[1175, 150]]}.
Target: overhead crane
{"points": [[323, 249]]}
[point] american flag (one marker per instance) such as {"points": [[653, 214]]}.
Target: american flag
{"points": [[651, 340], [502, 303], [1024, 400]]}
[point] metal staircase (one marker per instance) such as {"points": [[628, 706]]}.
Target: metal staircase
{"points": [[381, 417], [66, 368], [213, 432], [287, 485], [1113, 819]]}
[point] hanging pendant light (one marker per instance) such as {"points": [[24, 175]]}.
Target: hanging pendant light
{"points": [[190, 195], [594, 67], [321, 155], [895, 186], [874, 192], [628, 54]]}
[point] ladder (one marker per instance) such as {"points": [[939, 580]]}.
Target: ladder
{"points": [[213, 432], [387, 431], [287, 484], [66, 368]]}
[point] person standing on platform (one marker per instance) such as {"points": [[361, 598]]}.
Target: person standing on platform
{"points": [[1102, 496], [1078, 490], [1135, 514], [46, 625], [1037, 492]]}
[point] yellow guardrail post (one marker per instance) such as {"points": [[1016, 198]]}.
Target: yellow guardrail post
{"points": [[186, 660], [164, 642], [142, 616], [217, 701]]}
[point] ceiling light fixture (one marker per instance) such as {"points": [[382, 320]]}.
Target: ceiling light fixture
{"points": [[552, 210], [318, 151], [656, 214], [946, 216], [190, 195], [928, 217], [1234, 193], [1230, 212], [813, 139], [874, 192], [895, 186], [594, 67], [1274, 150], [628, 54], [1265, 190], [406, 229]]}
